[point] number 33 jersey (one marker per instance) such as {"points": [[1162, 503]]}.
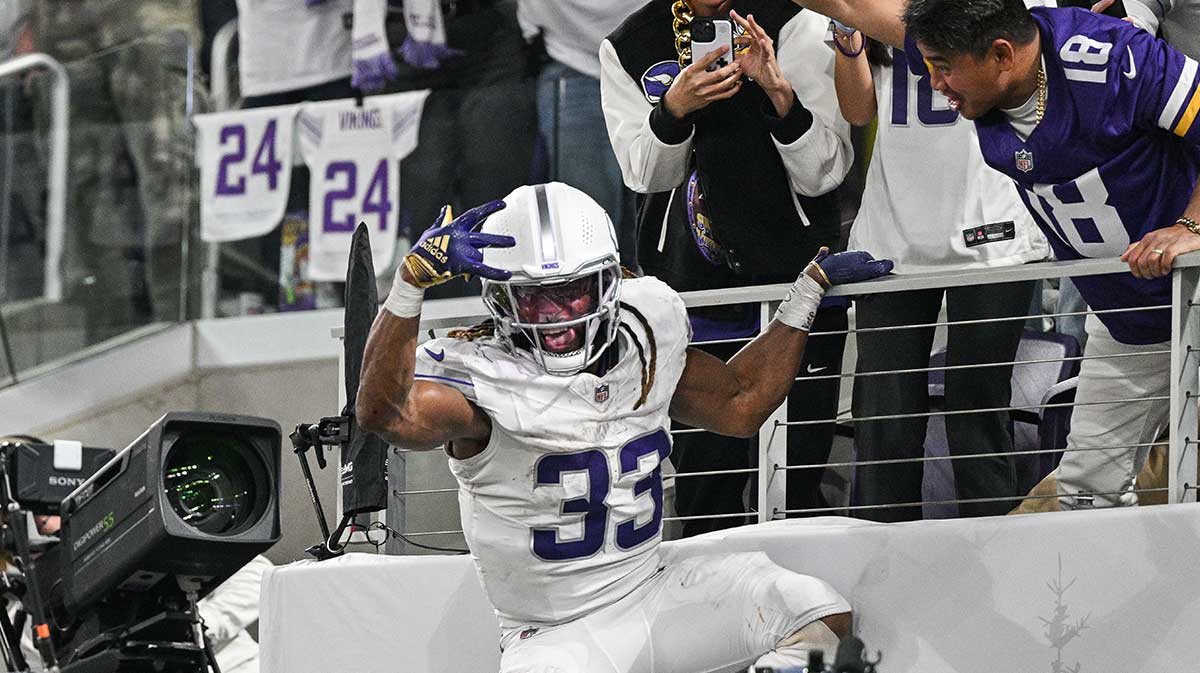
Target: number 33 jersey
{"points": [[562, 510], [1114, 157]]}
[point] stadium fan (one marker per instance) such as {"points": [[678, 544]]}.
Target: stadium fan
{"points": [[955, 213], [130, 195], [1094, 120], [739, 167], [1178, 20], [555, 416], [570, 117]]}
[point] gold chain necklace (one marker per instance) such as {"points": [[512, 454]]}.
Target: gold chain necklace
{"points": [[682, 14], [1041, 93]]}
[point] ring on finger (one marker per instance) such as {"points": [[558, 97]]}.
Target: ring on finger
{"points": [[1157, 251]]}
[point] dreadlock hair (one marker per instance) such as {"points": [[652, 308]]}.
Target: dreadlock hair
{"points": [[487, 328], [968, 26]]}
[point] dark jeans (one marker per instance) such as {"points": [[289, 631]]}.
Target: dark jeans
{"points": [[967, 434], [807, 444]]}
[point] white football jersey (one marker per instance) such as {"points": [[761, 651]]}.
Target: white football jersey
{"points": [[931, 203], [284, 45], [245, 159], [353, 154], [563, 508]]}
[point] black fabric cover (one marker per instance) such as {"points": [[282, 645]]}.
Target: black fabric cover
{"points": [[364, 459]]}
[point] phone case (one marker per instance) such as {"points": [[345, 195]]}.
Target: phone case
{"points": [[723, 37]]}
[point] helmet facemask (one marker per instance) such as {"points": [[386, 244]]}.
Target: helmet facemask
{"points": [[569, 321]]}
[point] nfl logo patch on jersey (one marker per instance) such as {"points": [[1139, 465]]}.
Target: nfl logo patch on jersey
{"points": [[602, 392], [1024, 160]]}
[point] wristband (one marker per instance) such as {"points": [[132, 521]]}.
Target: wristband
{"points": [[404, 300], [1191, 224], [846, 52], [799, 307]]}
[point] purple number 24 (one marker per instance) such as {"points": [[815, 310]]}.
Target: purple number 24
{"points": [[264, 163], [375, 201]]}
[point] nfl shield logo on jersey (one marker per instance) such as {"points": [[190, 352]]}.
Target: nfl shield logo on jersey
{"points": [[602, 392], [1024, 160]]}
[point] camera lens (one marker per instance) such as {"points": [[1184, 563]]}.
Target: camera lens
{"points": [[703, 30], [215, 482]]}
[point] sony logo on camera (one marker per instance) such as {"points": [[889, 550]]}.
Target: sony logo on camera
{"points": [[55, 480]]}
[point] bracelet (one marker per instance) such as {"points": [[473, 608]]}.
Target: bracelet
{"points": [[1191, 224], [846, 52]]}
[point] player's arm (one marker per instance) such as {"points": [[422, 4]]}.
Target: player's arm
{"points": [[880, 19], [734, 398], [391, 403]]}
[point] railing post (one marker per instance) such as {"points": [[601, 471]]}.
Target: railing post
{"points": [[1185, 339], [772, 447]]}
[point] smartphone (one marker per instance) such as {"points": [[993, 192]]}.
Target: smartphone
{"points": [[709, 35]]}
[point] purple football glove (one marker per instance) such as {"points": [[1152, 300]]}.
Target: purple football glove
{"points": [[454, 248], [852, 266]]}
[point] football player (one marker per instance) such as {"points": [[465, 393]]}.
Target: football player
{"points": [[556, 417], [1095, 121]]}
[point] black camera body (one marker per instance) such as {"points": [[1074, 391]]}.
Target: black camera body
{"points": [[195, 496], [43, 474]]}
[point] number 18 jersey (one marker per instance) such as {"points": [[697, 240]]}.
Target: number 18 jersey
{"points": [[562, 510], [1114, 157]]}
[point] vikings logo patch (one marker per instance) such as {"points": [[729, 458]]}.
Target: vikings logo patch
{"points": [[658, 78]]}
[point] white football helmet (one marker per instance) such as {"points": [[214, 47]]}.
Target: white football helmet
{"points": [[566, 276]]}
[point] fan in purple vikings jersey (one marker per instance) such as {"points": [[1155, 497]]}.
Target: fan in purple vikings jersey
{"points": [[1095, 121], [556, 419]]}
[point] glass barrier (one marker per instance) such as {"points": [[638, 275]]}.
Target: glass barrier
{"points": [[130, 205]]}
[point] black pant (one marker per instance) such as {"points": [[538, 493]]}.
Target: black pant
{"points": [[807, 444], [975, 388]]}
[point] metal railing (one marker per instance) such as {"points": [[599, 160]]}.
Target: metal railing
{"points": [[771, 496], [56, 179]]}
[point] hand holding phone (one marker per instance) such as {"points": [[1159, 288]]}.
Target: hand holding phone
{"points": [[710, 35]]}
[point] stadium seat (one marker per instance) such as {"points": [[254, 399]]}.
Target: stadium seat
{"points": [[1049, 382]]}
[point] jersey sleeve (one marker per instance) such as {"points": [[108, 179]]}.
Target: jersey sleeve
{"points": [[820, 157], [1161, 82], [444, 361], [648, 163]]}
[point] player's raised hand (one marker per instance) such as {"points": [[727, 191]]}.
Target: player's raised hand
{"points": [[695, 88], [852, 266], [453, 247], [1154, 255]]}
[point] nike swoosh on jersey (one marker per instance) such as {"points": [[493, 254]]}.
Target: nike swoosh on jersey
{"points": [[1132, 64], [439, 356], [814, 370]]}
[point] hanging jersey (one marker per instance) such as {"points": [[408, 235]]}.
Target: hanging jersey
{"points": [[931, 203], [353, 154], [562, 510], [1114, 157], [245, 159], [284, 45]]}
